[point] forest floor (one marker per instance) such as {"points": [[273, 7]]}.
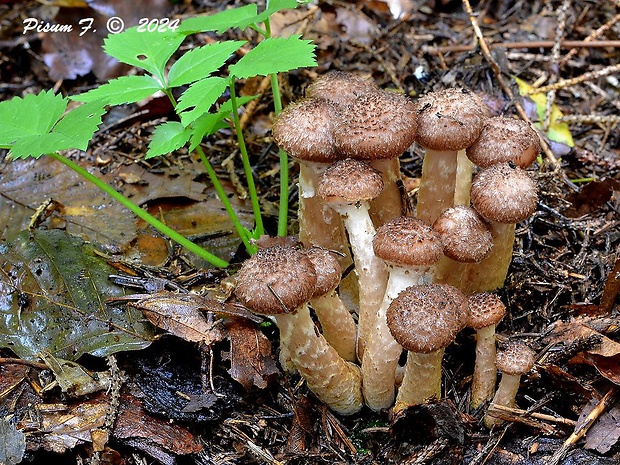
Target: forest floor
{"points": [[562, 285]]}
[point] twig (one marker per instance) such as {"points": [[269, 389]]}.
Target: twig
{"points": [[505, 87], [576, 44], [516, 413], [607, 400], [591, 119], [579, 79], [591, 38]]}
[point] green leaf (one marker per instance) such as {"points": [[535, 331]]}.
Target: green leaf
{"points": [[166, 138], [78, 126], [235, 17], [274, 6], [125, 89], [201, 95], [201, 62], [275, 55], [53, 292], [147, 50], [30, 115]]}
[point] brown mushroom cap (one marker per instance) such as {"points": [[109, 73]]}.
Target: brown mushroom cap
{"points": [[327, 267], [340, 87], [427, 317], [485, 309], [504, 194], [464, 234], [275, 280], [505, 140], [449, 119], [376, 125], [304, 130], [407, 241], [516, 358], [350, 181]]}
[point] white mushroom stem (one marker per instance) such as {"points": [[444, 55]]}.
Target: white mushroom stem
{"points": [[371, 271], [506, 396], [318, 224], [485, 370], [382, 352], [422, 379], [388, 204], [333, 380], [337, 324], [490, 273], [437, 185]]}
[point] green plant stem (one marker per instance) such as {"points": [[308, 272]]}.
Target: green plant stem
{"points": [[241, 230], [146, 216], [260, 230], [277, 105]]}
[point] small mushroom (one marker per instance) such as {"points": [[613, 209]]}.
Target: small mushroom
{"points": [[503, 195], [279, 281], [486, 310], [424, 319], [337, 323], [505, 140], [449, 120], [515, 360], [347, 186], [305, 131], [340, 87], [409, 247]]}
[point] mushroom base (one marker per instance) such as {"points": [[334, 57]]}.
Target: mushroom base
{"points": [[422, 379]]}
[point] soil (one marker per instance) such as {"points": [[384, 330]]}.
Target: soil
{"points": [[564, 268]]}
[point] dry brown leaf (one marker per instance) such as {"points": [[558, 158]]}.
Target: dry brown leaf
{"points": [[251, 362], [577, 328]]}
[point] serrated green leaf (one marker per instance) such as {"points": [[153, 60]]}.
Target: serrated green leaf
{"points": [[274, 6], [30, 115], [53, 290], [78, 126], [201, 95], [201, 62], [235, 17], [275, 55], [167, 138], [147, 50], [125, 89]]}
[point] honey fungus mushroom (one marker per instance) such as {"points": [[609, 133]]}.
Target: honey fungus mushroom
{"points": [[279, 281]]}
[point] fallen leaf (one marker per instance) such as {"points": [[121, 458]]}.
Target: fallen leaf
{"points": [[12, 443], [605, 432], [73, 379], [251, 361], [591, 197]]}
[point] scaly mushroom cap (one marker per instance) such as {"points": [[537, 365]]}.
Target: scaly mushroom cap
{"points": [[340, 87], [516, 358], [504, 194], [376, 125], [464, 234], [350, 181], [327, 267], [275, 280], [505, 140], [449, 119], [407, 241], [304, 130], [427, 317], [485, 309]]}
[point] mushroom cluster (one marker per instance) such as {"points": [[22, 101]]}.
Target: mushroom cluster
{"points": [[420, 280]]}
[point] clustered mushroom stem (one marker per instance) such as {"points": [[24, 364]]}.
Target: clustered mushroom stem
{"points": [[337, 324], [505, 395], [340, 383], [318, 224], [490, 273], [389, 203], [382, 352], [371, 271], [485, 371], [437, 186], [422, 379], [464, 172]]}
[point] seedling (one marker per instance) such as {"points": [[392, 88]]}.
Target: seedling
{"points": [[37, 125]]}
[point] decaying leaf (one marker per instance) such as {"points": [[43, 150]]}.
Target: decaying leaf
{"points": [[73, 379], [12, 443], [52, 292], [251, 362], [591, 197], [605, 432]]}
